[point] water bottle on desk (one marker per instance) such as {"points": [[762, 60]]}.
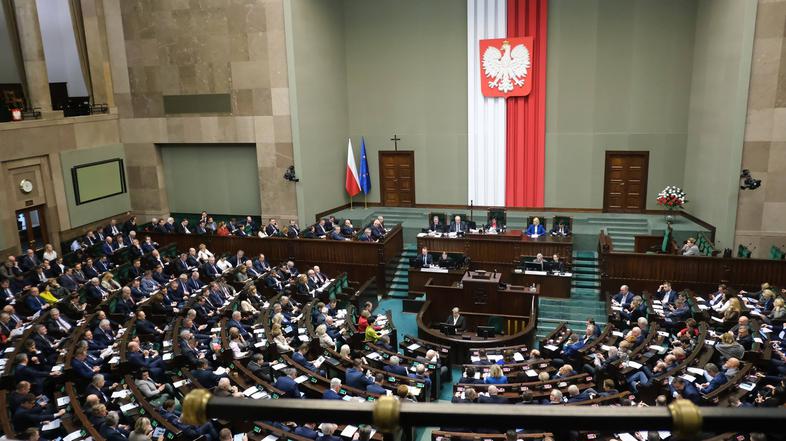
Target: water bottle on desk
{"points": [[532, 288]]}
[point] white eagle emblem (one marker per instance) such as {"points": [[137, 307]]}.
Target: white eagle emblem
{"points": [[506, 68]]}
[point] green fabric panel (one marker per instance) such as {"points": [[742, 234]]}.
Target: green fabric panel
{"points": [[218, 178]]}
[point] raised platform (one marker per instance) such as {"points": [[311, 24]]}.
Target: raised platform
{"points": [[586, 225]]}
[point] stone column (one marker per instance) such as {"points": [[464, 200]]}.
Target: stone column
{"points": [[33, 56]]}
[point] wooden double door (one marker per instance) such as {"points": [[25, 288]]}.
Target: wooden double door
{"points": [[397, 178], [625, 187]]}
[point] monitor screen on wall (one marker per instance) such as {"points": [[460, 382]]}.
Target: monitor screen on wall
{"points": [[98, 180]]}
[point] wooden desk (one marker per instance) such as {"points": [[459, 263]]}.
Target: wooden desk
{"points": [[551, 285], [360, 260], [700, 273], [499, 252], [419, 276], [478, 299]]}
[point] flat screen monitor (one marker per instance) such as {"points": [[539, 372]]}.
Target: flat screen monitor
{"points": [[447, 329], [98, 180], [532, 266], [486, 331]]}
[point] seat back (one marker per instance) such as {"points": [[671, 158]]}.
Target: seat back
{"points": [[441, 216], [499, 213], [555, 221], [743, 252], [497, 323]]}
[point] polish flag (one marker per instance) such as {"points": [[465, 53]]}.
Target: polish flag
{"points": [[352, 183]]}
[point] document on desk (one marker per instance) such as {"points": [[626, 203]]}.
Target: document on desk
{"points": [[551, 347], [52, 425], [301, 379], [536, 273], [349, 431], [518, 357], [73, 436]]}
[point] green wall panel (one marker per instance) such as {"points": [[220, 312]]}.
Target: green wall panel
{"points": [[218, 178]]}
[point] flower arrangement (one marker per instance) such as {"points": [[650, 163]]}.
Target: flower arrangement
{"points": [[672, 197]]}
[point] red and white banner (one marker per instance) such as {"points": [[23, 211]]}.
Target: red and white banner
{"points": [[506, 66], [506, 54]]}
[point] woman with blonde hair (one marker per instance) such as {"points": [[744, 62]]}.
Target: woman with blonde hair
{"points": [[778, 310], [728, 347], [734, 310], [324, 339], [495, 375], [767, 300], [204, 254], [302, 285], [280, 339], [108, 282], [49, 253]]}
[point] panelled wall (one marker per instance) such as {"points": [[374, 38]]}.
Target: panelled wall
{"points": [[761, 214], [202, 73]]}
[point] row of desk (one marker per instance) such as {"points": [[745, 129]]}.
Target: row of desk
{"points": [[360, 260]]}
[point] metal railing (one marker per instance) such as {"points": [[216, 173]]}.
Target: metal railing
{"points": [[683, 418]]}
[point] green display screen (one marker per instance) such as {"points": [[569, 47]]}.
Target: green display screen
{"points": [[98, 180]]}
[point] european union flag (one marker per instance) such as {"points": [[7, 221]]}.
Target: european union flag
{"points": [[365, 180]]}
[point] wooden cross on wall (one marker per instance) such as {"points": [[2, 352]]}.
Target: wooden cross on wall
{"points": [[395, 140]]}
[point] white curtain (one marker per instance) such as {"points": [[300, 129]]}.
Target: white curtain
{"points": [[486, 116]]}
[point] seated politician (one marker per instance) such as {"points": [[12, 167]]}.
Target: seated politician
{"points": [[436, 226], [492, 226], [458, 226], [535, 229], [423, 260], [560, 229], [457, 320]]}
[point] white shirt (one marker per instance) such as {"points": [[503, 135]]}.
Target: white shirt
{"points": [[204, 255], [223, 265], [50, 255]]}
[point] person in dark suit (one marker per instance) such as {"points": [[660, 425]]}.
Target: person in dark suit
{"points": [[336, 234], [271, 229], [424, 259], [23, 372], [307, 431], [366, 236], [204, 375], [624, 297], [328, 429], [347, 230], [376, 386], [299, 357], [182, 227], [29, 415], [109, 430], [332, 393], [556, 264], [493, 397], [457, 320], [238, 259], [560, 229], [435, 225], [377, 230], [668, 295], [108, 248], [458, 226], [29, 261], [286, 383], [320, 229], [355, 377], [260, 368], [685, 389], [81, 368], [718, 379], [34, 302], [394, 366], [68, 281], [469, 377], [294, 230]]}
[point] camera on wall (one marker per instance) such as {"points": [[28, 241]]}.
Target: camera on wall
{"points": [[748, 182], [289, 175]]}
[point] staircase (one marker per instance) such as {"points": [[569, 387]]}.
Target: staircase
{"points": [[584, 298], [623, 230], [397, 272]]}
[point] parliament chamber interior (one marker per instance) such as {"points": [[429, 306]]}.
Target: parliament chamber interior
{"points": [[399, 220]]}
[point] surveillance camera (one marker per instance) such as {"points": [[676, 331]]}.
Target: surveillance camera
{"points": [[749, 183], [289, 175]]}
